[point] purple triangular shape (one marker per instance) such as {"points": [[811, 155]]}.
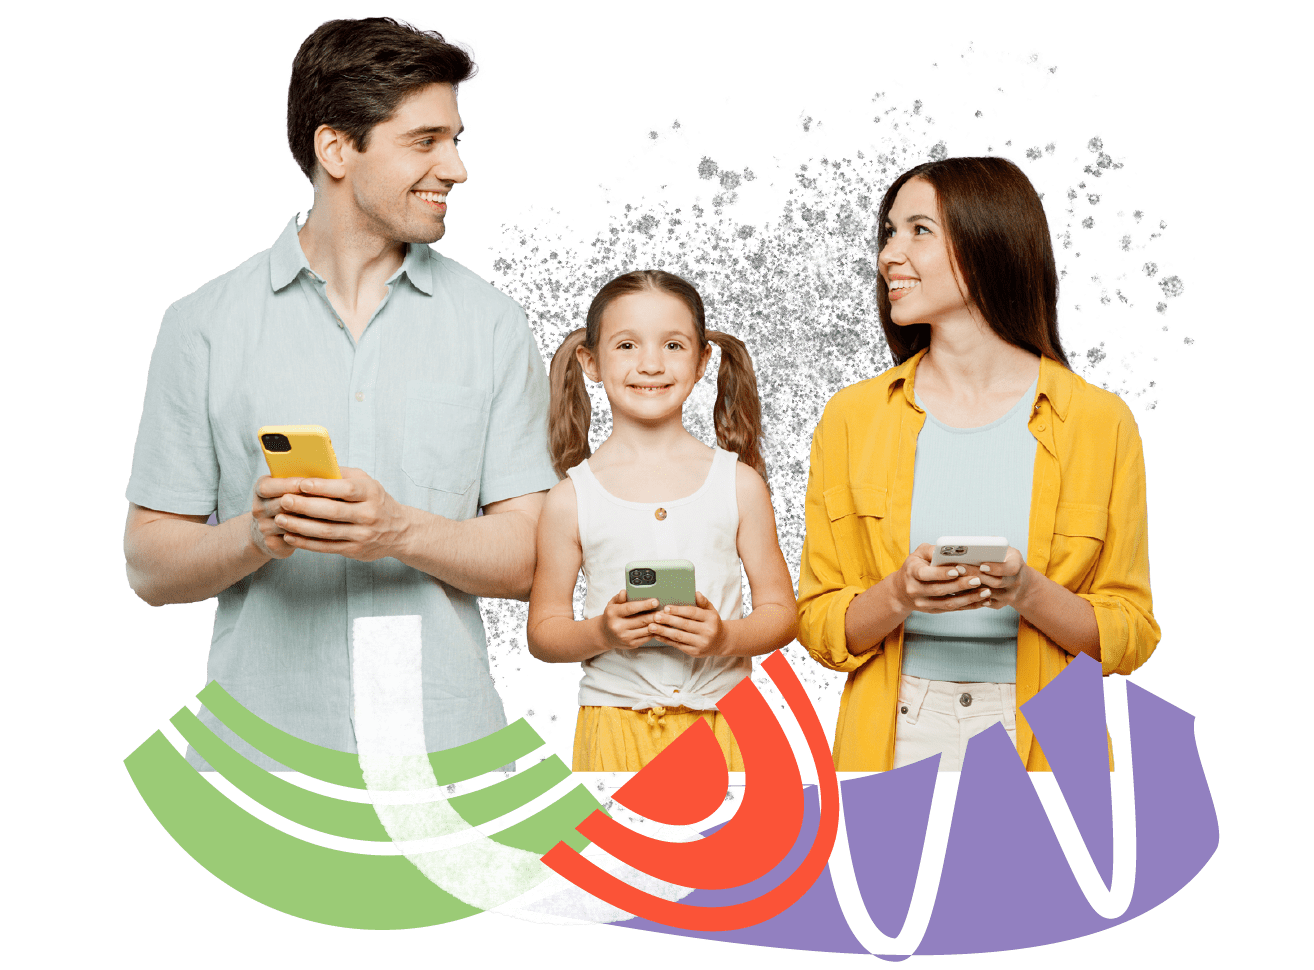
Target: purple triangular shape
{"points": [[1068, 718]]}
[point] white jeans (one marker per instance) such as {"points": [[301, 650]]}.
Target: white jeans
{"points": [[939, 716]]}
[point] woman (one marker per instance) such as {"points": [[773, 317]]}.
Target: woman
{"points": [[979, 429]]}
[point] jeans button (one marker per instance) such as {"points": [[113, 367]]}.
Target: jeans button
{"points": [[903, 710], [965, 700]]}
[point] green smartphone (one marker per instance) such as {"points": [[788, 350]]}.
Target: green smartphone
{"points": [[669, 581]]}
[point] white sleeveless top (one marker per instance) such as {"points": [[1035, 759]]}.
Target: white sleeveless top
{"points": [[702, 528]]}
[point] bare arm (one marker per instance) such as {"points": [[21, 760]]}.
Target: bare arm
{"points": [[491, 555], [916, 585], [699, 631], [553, 632]]}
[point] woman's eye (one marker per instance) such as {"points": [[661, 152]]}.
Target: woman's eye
{"points": [[918, 230]]}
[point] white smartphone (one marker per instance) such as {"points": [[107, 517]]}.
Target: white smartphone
{"points": [[968, 550]]}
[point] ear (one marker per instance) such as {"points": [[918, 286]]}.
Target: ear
{"points": [[588, 363], [703, 361], [331, 147]]}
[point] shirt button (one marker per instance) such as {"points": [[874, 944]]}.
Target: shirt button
{"points": [[360, 395], [1040, 427], [965, 700], [340, 327], [660, 514]]}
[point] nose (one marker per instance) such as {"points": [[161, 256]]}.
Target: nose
{"points": [[651, 360], [448, 167], [891, 253]]}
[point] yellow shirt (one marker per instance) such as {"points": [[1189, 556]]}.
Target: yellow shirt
{"points": [[1087, 532]]}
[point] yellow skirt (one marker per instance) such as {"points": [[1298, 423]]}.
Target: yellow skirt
{"points": [[619, 739]]}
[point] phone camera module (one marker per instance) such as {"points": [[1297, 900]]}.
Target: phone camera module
{"points": [[642, 577], [276, 443]]}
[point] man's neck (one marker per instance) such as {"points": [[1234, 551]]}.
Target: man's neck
{"points": [[354, 262]]}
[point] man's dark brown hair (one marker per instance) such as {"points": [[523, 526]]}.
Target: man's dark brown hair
{"points": [[352, 74], [999, 240]]}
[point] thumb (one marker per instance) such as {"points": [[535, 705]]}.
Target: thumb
{"points": [[702, 601]]}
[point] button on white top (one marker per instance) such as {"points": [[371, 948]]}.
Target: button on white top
{"points": [[360, 395]]}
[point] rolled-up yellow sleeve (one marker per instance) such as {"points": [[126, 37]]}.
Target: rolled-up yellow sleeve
{"points": [[824, 591], [1120, 588]]}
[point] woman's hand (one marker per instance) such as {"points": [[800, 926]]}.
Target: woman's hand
{"points": [[695, 630], [1008, 581], [622, 626], [938, 589]]}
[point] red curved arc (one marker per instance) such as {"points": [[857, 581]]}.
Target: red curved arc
{"points": [[760, 834], [684, 784], [571, 865]]}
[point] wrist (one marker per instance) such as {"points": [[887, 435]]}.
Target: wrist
{"points": [[894, 596]]}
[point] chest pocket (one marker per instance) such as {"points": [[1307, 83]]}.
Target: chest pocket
{"points": [[1079, 532], [443, 443], [857, 517]]}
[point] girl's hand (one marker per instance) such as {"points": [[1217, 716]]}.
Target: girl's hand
{"points": [[939, 589], [1008, 581], [695, 630], [622, 627]]}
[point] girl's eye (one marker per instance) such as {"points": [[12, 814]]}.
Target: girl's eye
{"points": [[625, 345], [674, 345]]}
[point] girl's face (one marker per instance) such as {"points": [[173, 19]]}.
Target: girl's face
{"points": [[915, 259], [647, 357]]}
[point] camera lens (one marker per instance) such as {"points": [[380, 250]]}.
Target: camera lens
{"points": [[276, 442]]}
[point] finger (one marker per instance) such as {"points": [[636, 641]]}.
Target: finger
{"points": [[620, 597], [638, 606], [267, 487], [314, 528], [323, 508], [668, 620], [703, 601], [668, 635], [342, 489], [924, 551], [319, 545], [689, 612], [926, 573]]}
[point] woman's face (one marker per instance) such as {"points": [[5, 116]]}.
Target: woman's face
{"points": [[916, 262]]}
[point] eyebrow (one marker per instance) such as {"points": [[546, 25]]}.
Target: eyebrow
{"points": [[430, 130], [914, 219]]}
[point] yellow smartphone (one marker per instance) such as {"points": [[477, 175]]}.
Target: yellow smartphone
{"points": [[298, 451]]}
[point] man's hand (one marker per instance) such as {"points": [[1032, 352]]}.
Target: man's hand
{"points": [[352, 516], [695, 630], [266, 503]]}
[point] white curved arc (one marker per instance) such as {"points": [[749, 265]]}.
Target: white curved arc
{"points": [[386, 686]]}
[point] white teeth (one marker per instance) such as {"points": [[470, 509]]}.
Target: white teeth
{"points": [[902, 284], [433, 196]]}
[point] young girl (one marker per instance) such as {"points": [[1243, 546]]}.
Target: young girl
{"points": [[654, 491]]}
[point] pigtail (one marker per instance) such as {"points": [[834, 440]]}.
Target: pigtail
{"points": [[737, 414], [569, 408]]}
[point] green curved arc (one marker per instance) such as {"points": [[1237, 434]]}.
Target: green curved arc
{"points": [[341, 768], [556, 823], [356, 819], [350, 820], [274, 868]]}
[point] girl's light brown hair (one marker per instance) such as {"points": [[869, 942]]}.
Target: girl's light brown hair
{"points": [[736, 415], [999, 239]]}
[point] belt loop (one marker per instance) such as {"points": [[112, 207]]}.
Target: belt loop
{"points": [[912, 695]]}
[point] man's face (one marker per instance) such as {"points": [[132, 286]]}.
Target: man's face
{"points": [[400, 182]]}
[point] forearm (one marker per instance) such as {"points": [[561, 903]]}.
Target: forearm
{"points": [[563, 639], [489, 555], [873, 615], [172, 561], [1063, 616], [769, 627]]}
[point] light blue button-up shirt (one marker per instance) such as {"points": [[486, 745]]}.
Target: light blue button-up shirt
{"points": [[443, 400]]}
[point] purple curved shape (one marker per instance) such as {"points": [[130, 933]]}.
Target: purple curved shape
{"points": [[1006, 884], [1068, 718], [886, 843]]}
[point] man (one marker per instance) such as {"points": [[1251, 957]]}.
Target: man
{"points": [[427, 379]]}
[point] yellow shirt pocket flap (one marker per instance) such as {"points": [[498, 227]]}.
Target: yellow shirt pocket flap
{"points": [[845, 500], [1081, 520]]}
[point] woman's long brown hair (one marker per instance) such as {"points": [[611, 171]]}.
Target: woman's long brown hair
{"points": [[999, 239], [736, 415]]}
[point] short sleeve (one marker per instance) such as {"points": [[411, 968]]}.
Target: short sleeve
{"points": [[174, 467], [516, 460]]}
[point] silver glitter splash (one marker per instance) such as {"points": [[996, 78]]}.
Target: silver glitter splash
{"points": [[798, 287]]}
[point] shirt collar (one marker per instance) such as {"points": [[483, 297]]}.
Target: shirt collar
{"points": [[1055, 383], [287, 260]]}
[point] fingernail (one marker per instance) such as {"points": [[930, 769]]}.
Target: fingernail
{"points": [[985, 593], [974, 582], [985, 568]]}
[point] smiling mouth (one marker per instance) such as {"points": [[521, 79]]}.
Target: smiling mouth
{"points": [[435, 200], [902, 284], [649, 388]]}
